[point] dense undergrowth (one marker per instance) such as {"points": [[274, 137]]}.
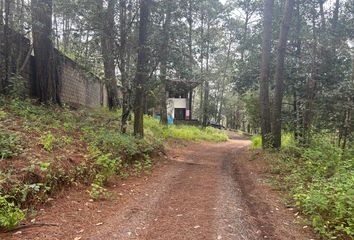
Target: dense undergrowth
{"points": [[45, 148], [320, 181]]}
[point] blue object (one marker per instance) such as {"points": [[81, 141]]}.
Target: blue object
{"points": [[169, 119]]}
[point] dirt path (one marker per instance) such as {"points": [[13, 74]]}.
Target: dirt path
{"points": [[204, 191]]}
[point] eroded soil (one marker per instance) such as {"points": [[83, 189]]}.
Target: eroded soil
{"points": [[200, 191]]}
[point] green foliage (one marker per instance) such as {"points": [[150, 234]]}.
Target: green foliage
{"points": [[10, 145], [147, 163], [153, 129], [256, 141], [47, 141], [107, 165], [320, 180], [2, 114], [138, 167], [192, 133], [10, 215], [44, 166], [252, 105], [67, 140], [287, 139], [112, 141], [2, 101], [97, 191], [18, 86]]}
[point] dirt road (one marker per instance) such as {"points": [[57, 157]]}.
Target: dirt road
{"points": [[203, 191]]}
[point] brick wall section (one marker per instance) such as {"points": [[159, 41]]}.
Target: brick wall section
{"points": [[78, 87]]}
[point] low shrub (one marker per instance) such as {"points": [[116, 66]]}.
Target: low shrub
{"points": [[320, 181], [47, 141], [256, 141], [10, 145], [10, 215]]}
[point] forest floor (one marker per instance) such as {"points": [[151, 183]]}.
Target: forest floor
{"points": [[197, 191]]}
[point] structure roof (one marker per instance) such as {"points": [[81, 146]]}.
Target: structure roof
{"points": [[181, 83]]}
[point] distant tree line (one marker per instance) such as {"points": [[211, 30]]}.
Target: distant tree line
{"points": [[262, 66]]}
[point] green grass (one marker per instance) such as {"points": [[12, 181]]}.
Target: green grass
{"points": [[196, 134], [287, 139], [256, 141], [183, 132]]}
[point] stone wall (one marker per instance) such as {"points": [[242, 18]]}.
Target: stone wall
{"points": [[78, 87]]}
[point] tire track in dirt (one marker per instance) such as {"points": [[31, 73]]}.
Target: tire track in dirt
{"points": [[233, 220]]}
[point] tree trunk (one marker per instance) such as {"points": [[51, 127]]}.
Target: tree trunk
{"points": [[310, 87], [206, 79], [2, 70], [335, 26], [6, 71], [66, 32], [264, 77], [142, 69], [201, 105], [296, 100], [122, 66], [46, 82], [219, 115], [107, 48], [1, 12], [323, 21], [190, 50], [20, 23], [245, 33], [164, 57], [279, 72]]}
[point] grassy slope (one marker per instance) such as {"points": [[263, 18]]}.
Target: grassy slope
{"points": [[45, 148], [320, 182]]}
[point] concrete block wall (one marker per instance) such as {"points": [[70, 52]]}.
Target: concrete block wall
{"points": [[78, 86]]}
